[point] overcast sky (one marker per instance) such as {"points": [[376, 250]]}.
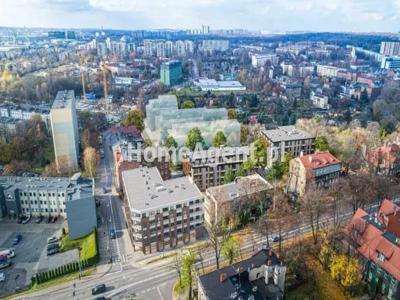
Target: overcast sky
{"points": [[269, 15]]}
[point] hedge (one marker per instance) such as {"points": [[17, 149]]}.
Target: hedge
{"points": [[89, 255]]}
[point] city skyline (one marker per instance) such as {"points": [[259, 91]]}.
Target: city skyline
{"points": [[293, 15]]}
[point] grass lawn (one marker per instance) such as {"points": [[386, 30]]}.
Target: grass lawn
{"points": [[87, 245], [322, 287]]}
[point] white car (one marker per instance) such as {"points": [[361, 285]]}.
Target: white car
{"points": [[2, 277]]}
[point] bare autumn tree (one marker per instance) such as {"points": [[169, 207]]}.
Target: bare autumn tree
{"points": [[312, 207], [280, 216], [218, 233], [90, 160], [337, 202], [16, 168], [360, 190], [177, 265]]}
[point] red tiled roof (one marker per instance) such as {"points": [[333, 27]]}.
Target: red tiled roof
{"points": [[371, 241], [389, 215], [318, 160]]}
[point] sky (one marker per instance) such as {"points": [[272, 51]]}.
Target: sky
{"points": [[268, 15]]}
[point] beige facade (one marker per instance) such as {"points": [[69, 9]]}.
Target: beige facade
{"points": [[64, 127]]}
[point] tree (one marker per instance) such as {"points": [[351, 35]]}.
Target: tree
{"points": [[276, 171], [260, 153], [90, 160], [194, 137], [230, 249], [219, 139], [178, 267], [170, 142], [187, 104], [345, 270], [218, 233], [286, 162], [321, 143], [16, 168], [147, 143], [229, 176], [134, 118], [244, 133], [188, 272], [312, 206], [232, 114]]}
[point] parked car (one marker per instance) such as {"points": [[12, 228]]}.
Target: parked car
{"points": [[52, 251], [26, 220], [52, 239], [4, 262], [9, 252], [53, 246], [2, 277], [17, 239], [113, 234], [98, 289], [48, 220], [19, 221], [100, 298], [39, 220]]}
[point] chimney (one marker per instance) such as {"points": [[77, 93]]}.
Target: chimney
{"points": [[222, 277]]}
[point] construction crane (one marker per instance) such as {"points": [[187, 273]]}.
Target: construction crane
{"points": [[81, 62], [104, 71]]}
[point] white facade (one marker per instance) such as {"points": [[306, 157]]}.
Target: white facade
{"points": [[327, 71], [319, 101], [259, 60], [64, 127]]}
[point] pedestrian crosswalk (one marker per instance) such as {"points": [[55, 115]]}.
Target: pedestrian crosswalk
{"points": [[119, 259]]}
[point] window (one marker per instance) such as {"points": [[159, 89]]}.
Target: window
{"points": [[197, 201], [178, 206]]}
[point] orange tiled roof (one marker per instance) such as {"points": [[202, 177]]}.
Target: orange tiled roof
{"points": [[318, 160]]}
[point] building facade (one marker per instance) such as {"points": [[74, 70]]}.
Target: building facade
{"points": [[287, 139], [171, 73], [207, 167], [226, 200], [261, 276], [161, 213], [69, 198], [376, 239], [390, 48], [320, 168], [385, 160], [64, 126]]}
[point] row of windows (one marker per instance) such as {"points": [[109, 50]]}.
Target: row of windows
{"points": [[42, 210], [41, 202], [33, 194]]}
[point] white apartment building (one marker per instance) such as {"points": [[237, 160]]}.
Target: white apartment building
{"points": [[259, 60], [327, 71], [64, 127]]}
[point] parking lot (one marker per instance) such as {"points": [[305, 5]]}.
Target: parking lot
{"points": [[30, 253]]}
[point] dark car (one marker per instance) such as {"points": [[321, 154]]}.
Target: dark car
{"points": [[53, 246], [19, 221], [52, 251], [17, 239], [98, 289], [113, 234], [39, 220], [100, 298], [26, 220]]}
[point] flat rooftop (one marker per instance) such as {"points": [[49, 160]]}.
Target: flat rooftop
{"points": [[146, 190], [76, 186], [241, 186], [286, 133], [63, 99]]}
